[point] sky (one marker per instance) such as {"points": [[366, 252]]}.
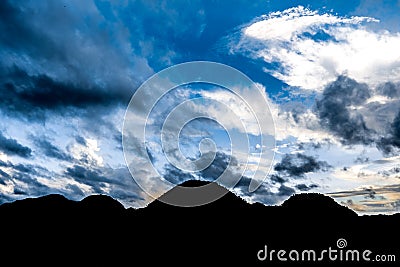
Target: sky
{"points": [[327, 73]]}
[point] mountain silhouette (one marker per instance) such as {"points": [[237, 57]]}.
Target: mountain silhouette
{"points": [[227, 231]]}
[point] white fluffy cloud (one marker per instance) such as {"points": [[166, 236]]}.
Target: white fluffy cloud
{"points": [[307, 49]]}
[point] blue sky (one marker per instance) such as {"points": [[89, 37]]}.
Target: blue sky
{"points": [[330, 71]]}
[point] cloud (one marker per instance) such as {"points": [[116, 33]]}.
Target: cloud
{"points": [[389, 89], [23, 180], [242, 105], [83, 158], [10, 146], [176, 176], [30, 185], [265, 193], [31, 95], [51, 150], [396, 127], [345, 113], [357, 113], [309, 49], [73, 43], [69, 70], [81, 141], [277, 179], [286, 191], [386, 11], [86, 152], [335, 109], [296, 117], [125, 189], [371, 200], [87, 176], [391, 143], [286, 25], [296, 165], [66, 60], [304, 187], [208, 104], [25, 169], [116, 182], [4, 175], [75, 190], [218, 166]]}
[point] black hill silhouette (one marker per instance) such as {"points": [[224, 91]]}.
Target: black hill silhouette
{"points": [[226, 231]]}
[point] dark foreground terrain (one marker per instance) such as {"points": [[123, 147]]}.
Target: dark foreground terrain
{"points": [[52, 230]]}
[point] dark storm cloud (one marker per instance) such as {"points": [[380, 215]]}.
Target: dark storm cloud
{"points": [[335, 110], [127, 196], [310, 145], [343, 110], [97, 177], [263, 194], [118, 138], [211, 173], [19, 192], [30, 169], [389, 89], [391, 143], [34, 186], [28, 183], [263, 191], [277, 179], [23, 177], [24, 168], [77, 37], [396, 128], [50, 150], [3, 175], [176, 176], [87, 57], [10, 146], [124, 188], [30, 95], [244, 183], [101, 180], [4, 198], [80, 140], [16, 33], [84, 174], [59, 58], [286, 191], [218, 166], [118, 181], [87, 176], [64, 61], [298, 164], [304, 187]]}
